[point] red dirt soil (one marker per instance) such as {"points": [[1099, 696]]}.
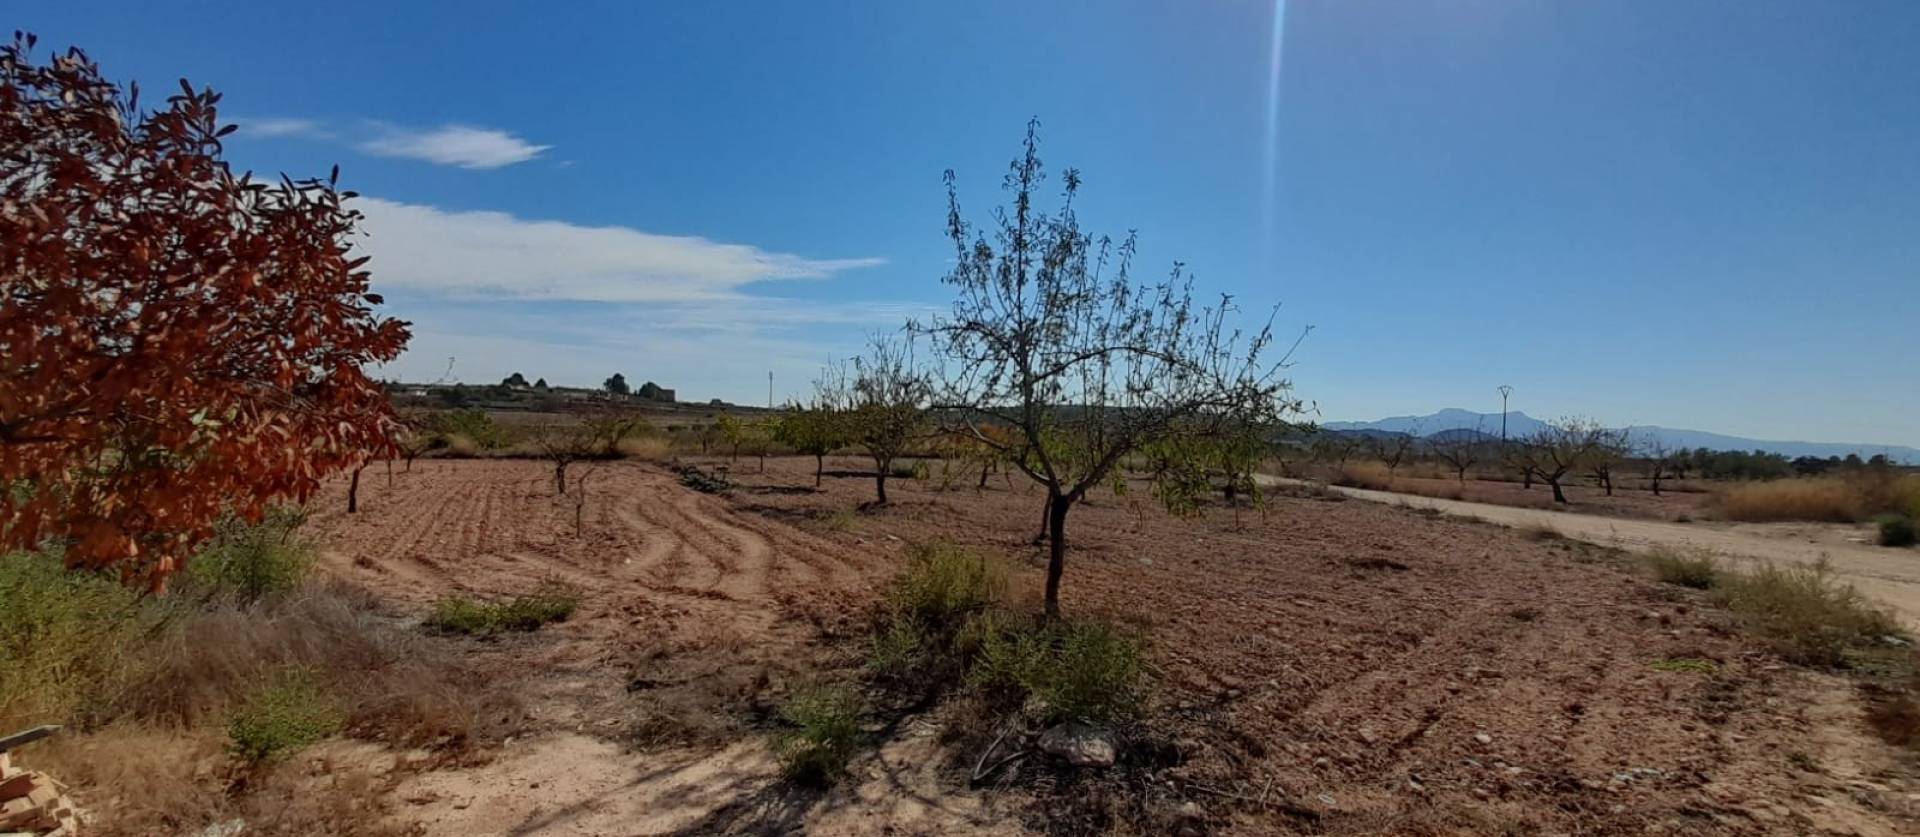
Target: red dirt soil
{"points": [[1327, 666]]}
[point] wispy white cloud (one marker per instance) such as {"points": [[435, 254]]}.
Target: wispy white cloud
{"points": [[465, 146], [493, 254], [269, 127], [574, 303]]}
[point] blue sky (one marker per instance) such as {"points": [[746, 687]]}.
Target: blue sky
{"points": [[1697, 214]]}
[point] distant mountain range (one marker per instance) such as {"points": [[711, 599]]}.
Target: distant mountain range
{"points": [[1520, 424]]}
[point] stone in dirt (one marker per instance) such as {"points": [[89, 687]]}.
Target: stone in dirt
{"points": [[1081, 745]]}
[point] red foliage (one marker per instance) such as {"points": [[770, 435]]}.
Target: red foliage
{"points": [[175, 340]]}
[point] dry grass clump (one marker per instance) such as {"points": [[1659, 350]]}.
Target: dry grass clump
{"points": [[1374, 476], [389, 683], [136, 780], [1846, 498], [1803, 614], [649, 448], [1698, 570], [1368, 475], [167, 699], [1830, 499]]}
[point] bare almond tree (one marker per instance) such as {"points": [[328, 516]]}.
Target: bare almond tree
{"points": [[1659, 458], [1610, 449], [1392, 448], [881, 401], [1460, 449], [1562, 447], [1052, 339], [594, 436]]}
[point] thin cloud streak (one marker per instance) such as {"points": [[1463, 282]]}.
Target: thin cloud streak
{"points": [[485, 254], [453, 144], [465, 146]]}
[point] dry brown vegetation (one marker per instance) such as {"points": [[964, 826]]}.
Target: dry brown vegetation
{"points": [[152, 690], [1846, 498]]}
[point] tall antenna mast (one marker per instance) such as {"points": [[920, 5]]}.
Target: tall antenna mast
{"points": [[1504, 392]]}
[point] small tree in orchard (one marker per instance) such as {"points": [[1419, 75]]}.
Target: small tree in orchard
{"points": [[1560, 448], [176, 340], [1610, 448], [595, 436], [814, 430], [1659, 459], [882, 399], [1335, 447], [1460, 449], [732, 433], [1051, 338], [415, 436], [1392, 448]]}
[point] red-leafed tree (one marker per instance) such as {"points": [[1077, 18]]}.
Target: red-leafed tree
{"points": [[176, 341]]}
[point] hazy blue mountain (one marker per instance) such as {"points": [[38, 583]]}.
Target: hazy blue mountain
{"points": [[1520, 424]]}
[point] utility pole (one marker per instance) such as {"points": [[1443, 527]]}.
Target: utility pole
{"points": [[1504, 392], [769, 389]]}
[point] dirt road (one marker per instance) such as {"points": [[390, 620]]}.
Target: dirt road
{"points": [[1889, 575]]}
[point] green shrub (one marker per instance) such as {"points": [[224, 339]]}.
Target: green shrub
{"points": [[69, 640], [1088, 672], [551, 602], [823, 726], [907, 470], [1803, 614], [289, 711], [1898, 530], [937, 594], [252, 561], [1698, 570], [943, 583], [467, 431], [898, 650], [703, 481]]}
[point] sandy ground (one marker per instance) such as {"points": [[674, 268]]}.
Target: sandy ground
{"points": [[1889, 575], [1325, 667]]}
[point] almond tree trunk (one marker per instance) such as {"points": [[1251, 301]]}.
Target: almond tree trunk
{"points": [[1056, 550]]}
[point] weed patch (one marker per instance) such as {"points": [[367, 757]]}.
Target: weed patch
{"points": [[1898, 530], [249, 562], [1087, 672], [1690, 665], [1542, 533], [1803, 614], [703, 481], [551, 602], [1698, 570], [822, 730], [70, 642], [946, 627], [286, 713]]}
